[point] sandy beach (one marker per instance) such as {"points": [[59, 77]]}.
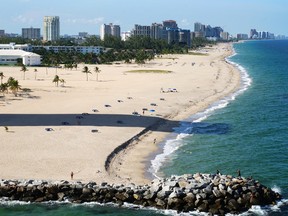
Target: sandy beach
{"points": [[76, 126]]}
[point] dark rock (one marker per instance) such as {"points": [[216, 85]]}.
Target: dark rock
{"points": [[216, 194], [232, 205], [53, 189], [204, 207]]}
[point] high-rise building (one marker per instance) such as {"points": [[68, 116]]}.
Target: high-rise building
{"points": [[185, 37], [83, 34], [112, 30], [140, 30], [170, 24], [198, 27], [217, 31], [209, 31], [242, 36], [224, 36], [2, 33], [31, 33], [253, 33], [156, 31], [51, 28], [173, 35]]}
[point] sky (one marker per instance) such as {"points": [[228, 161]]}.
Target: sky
{"points": [[234, 16]]}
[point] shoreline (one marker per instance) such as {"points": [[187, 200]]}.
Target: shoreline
{"points": [[199, 85], [145, 161]]}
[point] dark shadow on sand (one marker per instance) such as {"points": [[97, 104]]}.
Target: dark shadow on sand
{"points": [[110, 120]]}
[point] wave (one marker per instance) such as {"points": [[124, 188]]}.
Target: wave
{"points": [[176, 139], [254, 210]]}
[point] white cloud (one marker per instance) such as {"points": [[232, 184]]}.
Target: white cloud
{"points": [[93, 21], [185, 22], [23, 19]]}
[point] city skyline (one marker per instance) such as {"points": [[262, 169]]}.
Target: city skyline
{"points": [[235, 17]]}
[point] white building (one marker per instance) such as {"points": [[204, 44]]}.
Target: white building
{"points": [[11, 57], [51, 28], [13, 46], [30, 48], [224, 35], [81, 49], [125, 35]]}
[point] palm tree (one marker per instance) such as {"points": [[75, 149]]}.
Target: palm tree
{"points": [[75, 66], [35, 71], [97, 71], [24, 69], [87, 71], [62, 81], [4, 88], [56, 80], [13, 85], [1, 76]]}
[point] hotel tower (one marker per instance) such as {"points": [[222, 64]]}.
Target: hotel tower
{"points": [[51, 28]]}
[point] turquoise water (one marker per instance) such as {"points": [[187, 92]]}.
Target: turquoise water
{"points": [[250, 132], [246, 131]]}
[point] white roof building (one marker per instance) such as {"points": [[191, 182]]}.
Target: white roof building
{"points": [[12, 56], [13, 46]]}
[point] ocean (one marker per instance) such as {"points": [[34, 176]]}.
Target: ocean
{"points": [[246, 130]]}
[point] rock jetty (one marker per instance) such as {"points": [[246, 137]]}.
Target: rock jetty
{"points": [[214, 193]]}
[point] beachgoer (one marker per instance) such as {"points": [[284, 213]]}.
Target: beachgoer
{"points": [[154, 141], [72, 174], [217, 172], [239, 173]]}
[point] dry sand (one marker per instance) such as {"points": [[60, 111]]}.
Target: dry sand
{"points": [[29, 151]]}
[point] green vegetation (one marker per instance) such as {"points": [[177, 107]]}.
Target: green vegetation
{"points": [[12, 85], [149, 71], [197, 54], [136, 48]]}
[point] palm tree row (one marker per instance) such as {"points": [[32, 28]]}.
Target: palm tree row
{"points": [[87, 71], [118, 51]]}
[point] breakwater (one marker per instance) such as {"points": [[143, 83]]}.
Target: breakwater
{"points": [[217, 194]]}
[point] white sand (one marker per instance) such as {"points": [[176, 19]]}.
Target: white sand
{"points": [[28, 151]]}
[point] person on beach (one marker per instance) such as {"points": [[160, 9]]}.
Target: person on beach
{"points": [[72, 175], [239, 173], [154, 141]]}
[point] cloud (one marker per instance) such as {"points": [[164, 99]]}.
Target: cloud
{"points": [[185, 22], [93, 21], [23, 19]]}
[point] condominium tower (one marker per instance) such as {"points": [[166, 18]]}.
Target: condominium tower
{"points": [[51, 28], [110, 30], [31, 33]]}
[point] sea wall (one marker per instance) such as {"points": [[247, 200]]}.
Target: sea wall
{"points": [[217, 194]]}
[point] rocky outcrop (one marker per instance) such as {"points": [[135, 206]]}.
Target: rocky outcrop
{"points": [[217, 194]]}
